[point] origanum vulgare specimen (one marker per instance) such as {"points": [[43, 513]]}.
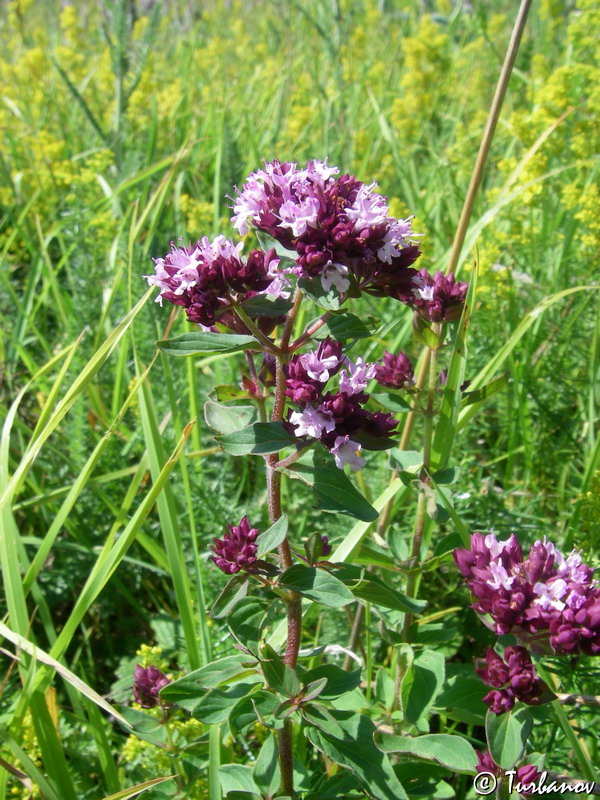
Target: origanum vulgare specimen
{"points": [[317, 409]]}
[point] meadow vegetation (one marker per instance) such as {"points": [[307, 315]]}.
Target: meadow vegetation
{"points": [[126, 125]]}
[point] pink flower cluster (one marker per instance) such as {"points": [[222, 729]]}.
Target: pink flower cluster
{"points": [[237, 550], [439, 297], [147, 683], [338, 226], [545, 596], [207, 276], [338, 419], [396, 371], [513, 679]]}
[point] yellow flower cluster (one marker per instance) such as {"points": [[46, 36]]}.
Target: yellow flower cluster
{"points": [[29, 744]]}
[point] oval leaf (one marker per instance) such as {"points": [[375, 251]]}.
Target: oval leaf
{"points": [[260, 438], [272, 537], [507, 735], [317, 585], [200, 343], [265, 305], [227, 419], [452, 752]]}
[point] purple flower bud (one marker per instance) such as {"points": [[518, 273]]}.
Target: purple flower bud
{"points": [[496, 672], [528, 776], [236, 551], [325, 546], [439, 298], [396, 372], [147, 683], [485, 763], [500, 700]]}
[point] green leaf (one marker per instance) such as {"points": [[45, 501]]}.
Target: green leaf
{"points": [[257, 707], [216, 704], [333, 488], [392, 401], [491, 388], [428, 672], [149, 729], [381, 595], [385, 689], [371, 442], [408, 460], [507, 735], [265, 305], [231, 594], [446, 476], [320, 717], [423, 779], [357, 752], [260, 438], [462, 695], [267, 242], [313, 689], [278, 675], [199, 343], [313, 289], [452, 752], [423, 334], [375, 590], [212, 675], [226, 391], [235, 795], [227, 419], [344, 326], [339, 681], [236, 777], [317, 585], [272, 537], [266, 772], [246, 623]]}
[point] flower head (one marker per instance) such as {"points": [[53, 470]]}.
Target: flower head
{"points": [[237, 549], [336, 224], [205, 277], [396, 372], [544, 593], [439, 297], [513, 678], [338, 419], [147, 683]]}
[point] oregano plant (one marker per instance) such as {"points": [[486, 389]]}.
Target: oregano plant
{"points": [[312, 409]]}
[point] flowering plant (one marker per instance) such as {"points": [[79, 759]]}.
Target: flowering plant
{"points": [[312, 409]]}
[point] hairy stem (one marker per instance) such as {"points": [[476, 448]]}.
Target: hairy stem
{"points": [[421, 516], [294, 603]]}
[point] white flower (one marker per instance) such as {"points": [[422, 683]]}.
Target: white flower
{"points": [[335, 275], [345, 451], [500, 576], [549, 594], [311, 422], [357, 377], [318, 368]]}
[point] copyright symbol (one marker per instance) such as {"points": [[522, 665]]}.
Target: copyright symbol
{"points": [[485, 783]]}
